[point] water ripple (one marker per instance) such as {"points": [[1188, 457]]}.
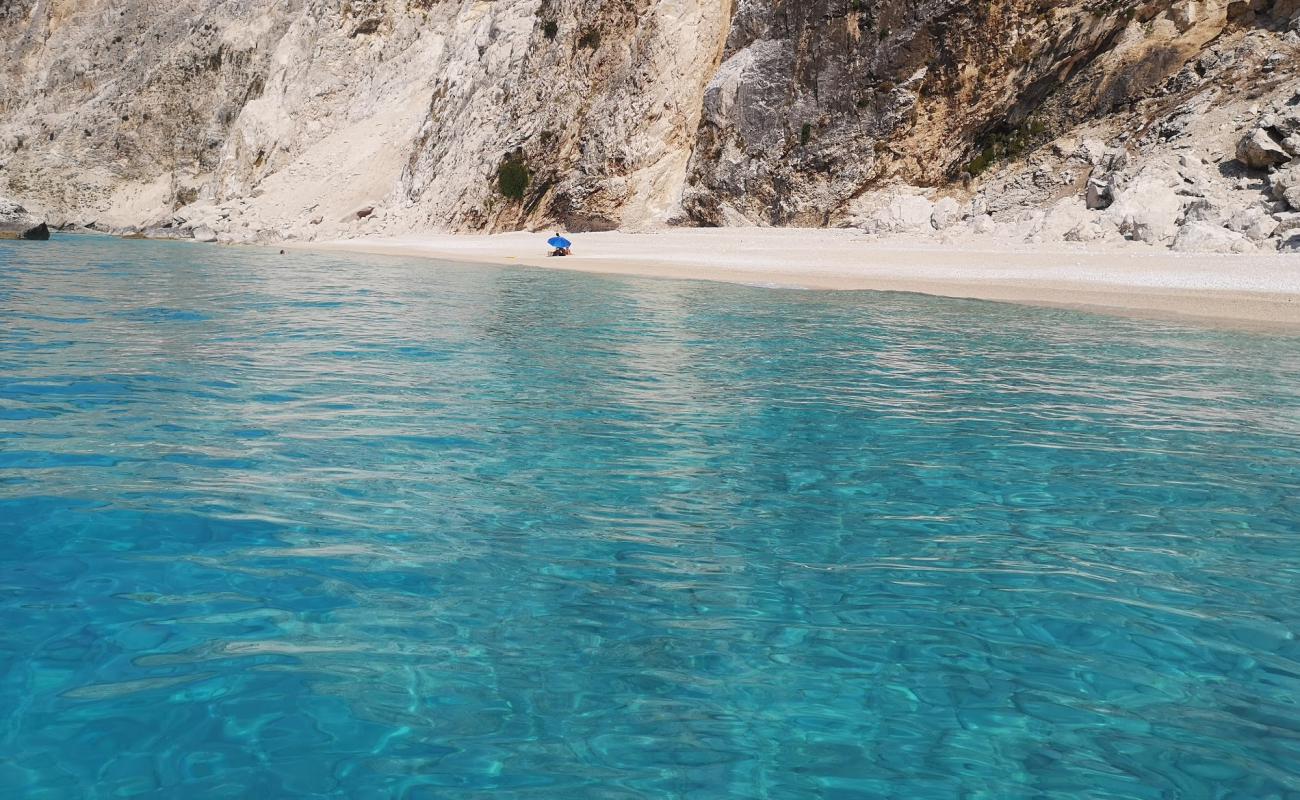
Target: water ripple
{"points": [[302, 526]]}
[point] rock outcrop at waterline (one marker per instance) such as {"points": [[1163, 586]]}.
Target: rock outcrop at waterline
{"points": [[17, 222], [1083, 120]]}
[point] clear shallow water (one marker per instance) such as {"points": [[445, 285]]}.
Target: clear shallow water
{"points": [[313, 526]]}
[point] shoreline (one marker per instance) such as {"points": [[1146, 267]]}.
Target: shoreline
{"points": [[1251, 292]]}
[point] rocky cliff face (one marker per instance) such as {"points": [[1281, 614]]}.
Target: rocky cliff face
{"points": [[281, 114], [820, 100], [324, 118]]}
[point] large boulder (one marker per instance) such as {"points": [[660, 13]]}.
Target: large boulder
{"points": [[1097, 229], [1148, 208], [1101, 191], [1287, 222], [1284, 185], [947, 212], [1204, 209], [904, 213], [1202, 237], [1063, 219], [1292, 196], [17, 222], [1257, 150], [1254, 223], [1027, 225]]}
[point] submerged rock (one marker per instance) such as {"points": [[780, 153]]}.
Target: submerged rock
{"points": [[164, 232], [17, 222]]}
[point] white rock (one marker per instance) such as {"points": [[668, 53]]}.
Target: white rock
{"points": [[1148, 208], [1202, 237], [947, 212], [903, 213], [984, 224], [1099, 228], [1261, 230], [1093, 151], [1063, 218], [1186, 13], [1292, 197], [1257, 150], [203, 233], [1254, 223], [1028, 226], [1287, 222], [1284, 185]]}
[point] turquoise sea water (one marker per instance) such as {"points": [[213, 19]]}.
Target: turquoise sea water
{"points": [[320, 526]]}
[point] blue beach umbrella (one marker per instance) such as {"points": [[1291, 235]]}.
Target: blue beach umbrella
{"points": [[559, 241]]}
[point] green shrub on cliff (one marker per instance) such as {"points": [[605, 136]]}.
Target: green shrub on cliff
{"points": [[1007, 146], [512, 177]]}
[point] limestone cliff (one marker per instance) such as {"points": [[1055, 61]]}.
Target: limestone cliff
{"points": [[325, 118], [279, 114]]}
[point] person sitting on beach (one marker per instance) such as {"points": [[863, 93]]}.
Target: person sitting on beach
{"points": [[562, 246]]}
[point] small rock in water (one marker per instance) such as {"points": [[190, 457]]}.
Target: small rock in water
{"points": [[17, 222]]}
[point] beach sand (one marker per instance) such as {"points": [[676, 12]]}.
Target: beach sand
{"points": [[1250, 291]]}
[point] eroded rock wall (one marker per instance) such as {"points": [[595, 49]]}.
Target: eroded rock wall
{"points": [[291, 116], [599, 101], [820, 100]]}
